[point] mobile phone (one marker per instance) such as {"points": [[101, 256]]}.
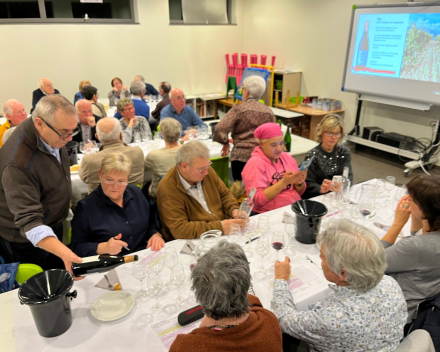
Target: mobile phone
{"points": [[306, 164]]}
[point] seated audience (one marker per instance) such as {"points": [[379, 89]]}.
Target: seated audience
{"points": [[90, 93], [79, 95], [272, 172], [141, 107], [115, 215], [149, 89], [45, 88], [234, 320], [413, 261], [119, 91], [160, 161], [164, 90], [181, 112], [7, 134], [241, 121], [109, 133], [130, 123], [192, 199], [14, 113], [366, 311], [330, 157], [86, 124]]}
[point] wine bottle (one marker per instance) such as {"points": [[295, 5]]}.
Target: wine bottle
{"points": [[287, 140], [100, 264], [362, 55]]}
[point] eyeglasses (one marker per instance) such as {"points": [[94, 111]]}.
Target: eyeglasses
{"points": [[203, 169], [331, 134], [119, 183], [61, 135], [129, 109], [179, 98]]}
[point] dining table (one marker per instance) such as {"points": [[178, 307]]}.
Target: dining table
{"points": [[139, 330]]}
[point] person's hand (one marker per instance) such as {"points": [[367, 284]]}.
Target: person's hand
{"points": [[133, 122], [124, 87], [115, 245], [227, 223], [282, 269], [91, 121], [156, 242], [185, 137], [68, 260], [291, 177], [225, 150], [114, 89], [403, 211], [325, 187]]}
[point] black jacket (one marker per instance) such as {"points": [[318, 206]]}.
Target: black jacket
{"points": [[37, 95], [78, 137]]}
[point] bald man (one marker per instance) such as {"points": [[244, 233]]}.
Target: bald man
{"points": [[87, 122], [108, 131], [15, 114], [181, 112], [45, 88]]}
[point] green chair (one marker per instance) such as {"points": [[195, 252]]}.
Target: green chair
{"points": [[232, 84], [25, 271], [221, 167]]}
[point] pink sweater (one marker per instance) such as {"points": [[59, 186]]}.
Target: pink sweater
{"points": [[261, 173]]}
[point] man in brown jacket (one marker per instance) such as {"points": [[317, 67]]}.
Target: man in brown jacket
{"points": [[192, 199], [35, 186]]}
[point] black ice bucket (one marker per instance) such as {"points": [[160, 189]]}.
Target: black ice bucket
{"points": [[308, 220]]}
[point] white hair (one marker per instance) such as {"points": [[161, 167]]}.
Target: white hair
{"points": [[7, 134], [255, 85], [7, 109], [191, 150], [358, 251], [110, 137], [49, 105], [170, 129], [141, 78], [137, 87]]}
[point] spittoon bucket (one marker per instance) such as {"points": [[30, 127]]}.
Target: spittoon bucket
{"points": [[47, 295], [308, 220], [72, 151]]}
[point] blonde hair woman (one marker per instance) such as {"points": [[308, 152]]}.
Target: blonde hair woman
{"points": [[82, 84], [115, 218], [330, 157]]}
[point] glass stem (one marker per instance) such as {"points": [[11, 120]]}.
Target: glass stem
{"points": [[178, 292], [142, 285], [155, 301]]}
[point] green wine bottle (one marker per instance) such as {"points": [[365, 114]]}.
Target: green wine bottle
{"points": [[287, 140]]}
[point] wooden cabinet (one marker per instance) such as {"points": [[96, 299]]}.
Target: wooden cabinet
{"points": [[284, 81]]}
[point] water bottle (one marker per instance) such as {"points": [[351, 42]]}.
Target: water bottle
{"points": [[345, 186]]}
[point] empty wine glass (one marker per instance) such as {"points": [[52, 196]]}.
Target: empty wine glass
{"points": [[190, 133], [146, 136], [249, 231], [234, 233], [203, 130], [157, 265], [263, 224], [278, 240], [262, 249], [196, 131], [177, 280], [155, 286], [137, 137], [290, 229], [170, 260], [140, 272], [389, 186]]}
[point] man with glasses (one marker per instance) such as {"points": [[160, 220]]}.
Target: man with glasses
{"points": [[192, 199], [35, 188], [87, 122], [181, 112]]}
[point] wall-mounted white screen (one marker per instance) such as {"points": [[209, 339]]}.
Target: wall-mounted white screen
{"points": [[394, 51]]}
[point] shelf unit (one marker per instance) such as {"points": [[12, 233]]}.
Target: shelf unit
{"points": [[205, 105], [291, 81]]}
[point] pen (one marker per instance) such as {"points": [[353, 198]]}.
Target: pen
{"points": [[252, 240], [122, 246]]}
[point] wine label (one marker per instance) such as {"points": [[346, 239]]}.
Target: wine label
{"points": [[91, 259]]}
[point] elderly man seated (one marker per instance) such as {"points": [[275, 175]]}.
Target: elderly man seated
{"points": [[234, 320], [181, 112], [109, 133], [130, 122], [87, 122], [45, 88], [149, 89], [192, 199], [15, 114], [366, 311]]}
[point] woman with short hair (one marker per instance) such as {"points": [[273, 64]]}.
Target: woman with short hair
{"points": [[330, 157], [160, 161], [119, 91], [234, 320], [79, 96], [115, 216], [366, 311], [414, 260]]}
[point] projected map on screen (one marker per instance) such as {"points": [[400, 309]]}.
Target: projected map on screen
{"points": [[398, 45]]}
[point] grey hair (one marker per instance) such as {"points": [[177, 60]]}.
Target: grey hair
{"points": [[110, 137], [141, 78], [191, 150], [7, 109], [40, 82], [7, 134], [137, 87], [221, 280], [255, 85], [49, 105], [358, 251], [171, 129]]}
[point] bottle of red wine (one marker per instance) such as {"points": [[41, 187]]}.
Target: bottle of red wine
{"points": [[100, 264]]}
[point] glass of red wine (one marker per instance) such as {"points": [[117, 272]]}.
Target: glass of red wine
{"points": [[278, 240]]}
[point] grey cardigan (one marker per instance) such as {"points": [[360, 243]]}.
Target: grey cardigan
{"points": [[414, 263]]}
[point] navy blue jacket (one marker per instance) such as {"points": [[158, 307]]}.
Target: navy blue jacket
{"points": [[97, 218], [37, 94]]}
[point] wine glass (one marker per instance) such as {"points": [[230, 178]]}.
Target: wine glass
{"points": [[389, 186], [381, 197], [157, 265], [155, 286], [196, 132], [234, 233], [137, 137], [290, 229], [263, 224], [249, 231], [262, 249], [146, 136], [278, 240], [190, 133], [170, 260], [365, 211], [203, 132], [140, 272], [177, 279]]}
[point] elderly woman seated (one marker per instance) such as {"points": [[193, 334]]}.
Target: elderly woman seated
{"points": [[414, 260], [330, 157], [366, 311], [119, 91], [114, 218], [234, 320], [160, 161], [130, 123], [272, 172]]}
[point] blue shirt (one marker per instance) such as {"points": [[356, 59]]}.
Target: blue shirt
{"points": [[54, 151], [141, 109], [97, 219], [78, 96], [187, 117]]}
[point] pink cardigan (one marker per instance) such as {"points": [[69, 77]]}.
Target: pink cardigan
{"points": [[261, 173]]}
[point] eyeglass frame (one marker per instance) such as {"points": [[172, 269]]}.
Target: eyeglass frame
{"points": [[203, 169], [62, 136], [331, 134], [118, 183]]}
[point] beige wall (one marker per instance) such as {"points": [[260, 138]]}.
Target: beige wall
{"points": [[311, 36], [190, 57]]}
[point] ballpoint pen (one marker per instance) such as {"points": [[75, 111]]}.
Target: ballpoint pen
{"points": [[311, 261], [122, 246]]}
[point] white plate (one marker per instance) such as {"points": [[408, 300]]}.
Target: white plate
{"points": [[112, 306]]}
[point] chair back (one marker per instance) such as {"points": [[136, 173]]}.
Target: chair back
{"points": [[417, 341], [221, 167], [25, 271]]}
